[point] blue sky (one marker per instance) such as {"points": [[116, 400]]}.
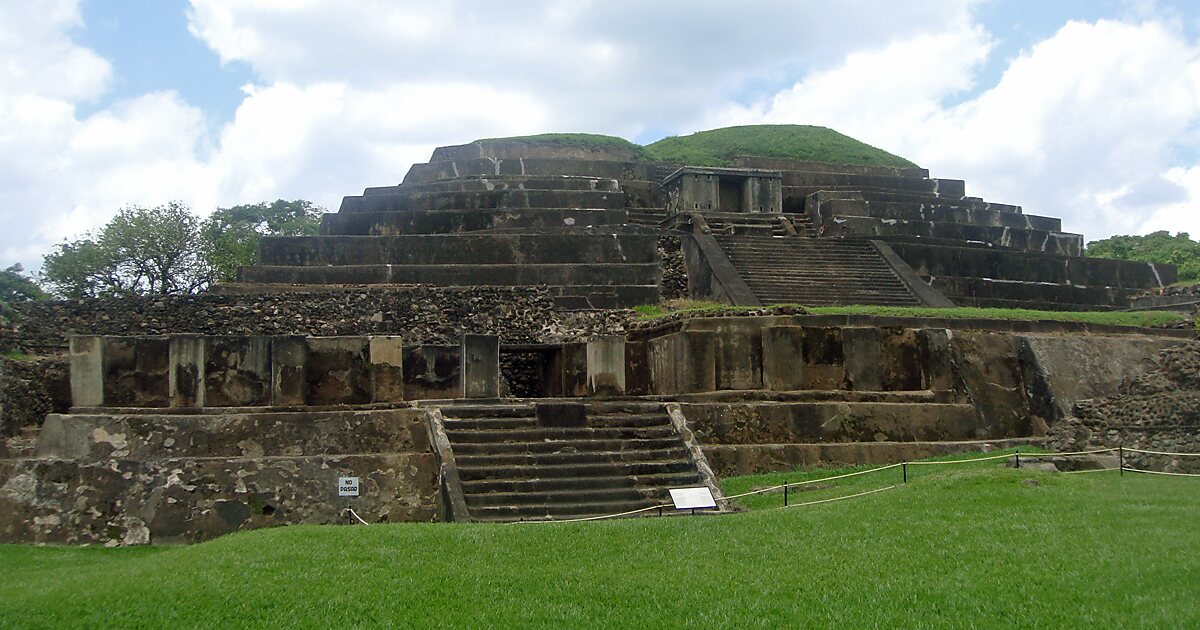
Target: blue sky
{"points": [[1087, 110]]}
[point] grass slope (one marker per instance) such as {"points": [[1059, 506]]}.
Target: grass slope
{"points": [[971, 545], [572, 140], [802, 142], [716, 147], [1115, 318]]}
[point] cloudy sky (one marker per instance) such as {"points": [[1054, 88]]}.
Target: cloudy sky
{"points": [[1084, 109]]}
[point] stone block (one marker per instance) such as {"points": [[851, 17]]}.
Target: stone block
{"points": [[387, 369], [336, 371], [937, 368], [901, 359], [862, 354], [288, 382], [782, 358], [637, 368], [237, 372], [684, 362], [823, 357], [432, 372], [740, 363], [480, 366], [136, 371], [606, 365], [187, 370], [87, 371]]}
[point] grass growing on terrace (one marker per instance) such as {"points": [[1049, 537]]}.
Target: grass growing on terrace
{"points": [[717, 147], [974, 546], [587, 140], [1138, 318]]}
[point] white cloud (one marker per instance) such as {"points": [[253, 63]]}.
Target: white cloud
{"points": [[1084, 125], [349, 93]]}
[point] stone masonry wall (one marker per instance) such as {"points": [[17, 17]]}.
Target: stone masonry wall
{"points": [[422, 314], [1157, 410]]}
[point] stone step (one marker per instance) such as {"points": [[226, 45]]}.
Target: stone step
{"points": [[454, 413], [539, 166], [938, 213], [619, 457], [465, 447], [452, 221], [472, 248], [548, 498], [558, 511], [523, 484], [600, 297], [560, 471], [463, 436], [516, 199]]}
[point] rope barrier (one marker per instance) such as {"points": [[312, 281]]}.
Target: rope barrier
{"points": [[1093, 470], [356, 516], [967, 461], [599, 518], [809, 481], [850, 496], [1160, 472], [1099, 450], [1138, 450]]}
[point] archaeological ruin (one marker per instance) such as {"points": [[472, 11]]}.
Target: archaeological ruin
{"points": [[463, 344]]}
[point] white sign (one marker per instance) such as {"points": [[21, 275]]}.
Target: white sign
{"points": [[692, 498], [347, 486]]}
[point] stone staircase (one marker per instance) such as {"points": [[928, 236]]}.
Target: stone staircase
{"points": [[815, 271], [514, 467]]}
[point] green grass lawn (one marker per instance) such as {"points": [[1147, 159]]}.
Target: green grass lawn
{"points": [[1116, 318], [968, 545]]}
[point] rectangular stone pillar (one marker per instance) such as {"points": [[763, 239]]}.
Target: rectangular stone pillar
{"points": [[606, 365], [187, 371], [573, 363], [288, 355], [480, 366], [387, 369], [937, 368], [87, 371], [637, 368], [783, 358], [862, 351]]}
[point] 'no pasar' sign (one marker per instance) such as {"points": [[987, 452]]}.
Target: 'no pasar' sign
{"points": [[347, 486]]}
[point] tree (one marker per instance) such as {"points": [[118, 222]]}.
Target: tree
{"points": [[15, 288], [1157, 247], [155, 251], [231, 235]]}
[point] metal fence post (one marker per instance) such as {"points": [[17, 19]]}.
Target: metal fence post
{"points": [[1017, 458], [904, 467], [1121, 460], [785, 497]]}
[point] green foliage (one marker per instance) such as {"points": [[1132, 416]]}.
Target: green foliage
{"points": [[954, 547], [15, 287], [1157, 247], [801, 142], [231, 235], [149, 251]]}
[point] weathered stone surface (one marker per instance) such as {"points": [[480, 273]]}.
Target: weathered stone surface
{"points": [[684, 362], [31, 388], [775, 422], [129, 502], [749, 459], [480, 371]]}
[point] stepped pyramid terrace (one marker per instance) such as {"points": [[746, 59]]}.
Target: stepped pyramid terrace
{"points": [[460, 342]]}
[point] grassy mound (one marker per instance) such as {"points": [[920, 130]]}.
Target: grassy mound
{"points": [[801, 142], [587, 140], [968, 545], [717, 147]]}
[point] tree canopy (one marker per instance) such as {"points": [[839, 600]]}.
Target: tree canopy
{"points": [[167, 249], [1157, 247], [231, 235]]}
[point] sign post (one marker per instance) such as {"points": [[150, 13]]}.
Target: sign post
{"points": [[348, 487]]}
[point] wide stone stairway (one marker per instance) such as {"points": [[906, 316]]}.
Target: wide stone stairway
{"points": [[620, 457], [815, 272]]}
